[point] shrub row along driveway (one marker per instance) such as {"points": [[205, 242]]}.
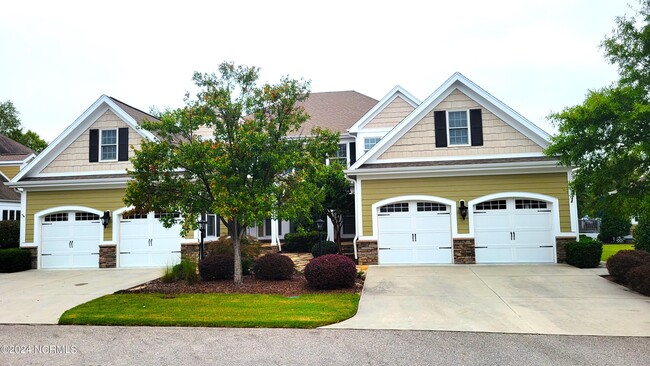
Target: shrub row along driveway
{"points": [[545, 299], [41, 296]]}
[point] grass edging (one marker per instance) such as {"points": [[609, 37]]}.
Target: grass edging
{"points": [[215, 310], [611, 249]]}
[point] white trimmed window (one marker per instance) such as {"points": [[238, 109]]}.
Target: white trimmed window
{"points": [[108, 147], [458, 128], [369, 142], [342, 154]]}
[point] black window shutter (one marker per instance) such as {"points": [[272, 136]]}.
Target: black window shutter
{"points": [[476, 125], [440, 120], [93, 151], [123, 144], [353, 152]]}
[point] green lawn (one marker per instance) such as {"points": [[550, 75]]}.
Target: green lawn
{"points": [[215, 310], [611, 249]]}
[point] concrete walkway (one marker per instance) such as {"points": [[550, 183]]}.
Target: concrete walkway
{"points": [[543, 299], [41, 296]]}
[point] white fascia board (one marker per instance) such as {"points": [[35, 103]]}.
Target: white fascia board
{"points": [[75, 129], [462, 157], [457, 81], [55, 185], [397, 91], [76, 174]]}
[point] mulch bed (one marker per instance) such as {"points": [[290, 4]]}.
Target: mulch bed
{"points": [[294, 287]]}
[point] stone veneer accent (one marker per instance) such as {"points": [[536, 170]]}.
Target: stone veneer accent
{"points": [[191, 251], [107, 256], [33, 251], [464, 251], [560, 247], [367, 252]]}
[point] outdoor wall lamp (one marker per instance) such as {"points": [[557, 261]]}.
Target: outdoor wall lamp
{"points": [[106, 218], [462, 209]]}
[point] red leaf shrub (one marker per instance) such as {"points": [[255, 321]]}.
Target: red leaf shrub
{"points": [[217, 267], [620, 263], [330, 271], [638, 279], [274, 266]]}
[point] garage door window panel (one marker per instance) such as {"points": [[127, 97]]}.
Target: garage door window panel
{"points": [[56, 217], [395, 207]]}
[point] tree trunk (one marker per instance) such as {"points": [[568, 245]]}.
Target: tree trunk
{"points": [[236, 244]]}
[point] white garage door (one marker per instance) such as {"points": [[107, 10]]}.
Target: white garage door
{"points": [[514, 230], [414, 232], [145, 242], [70, 240]]}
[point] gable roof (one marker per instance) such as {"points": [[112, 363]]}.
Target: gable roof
{"points": [[475, 92], [336, 111], [131, 116], [396, 92], [6, 193], [10, 150]]}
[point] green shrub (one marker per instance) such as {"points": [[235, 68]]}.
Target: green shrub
{"points": [[613, 227], [642, 234], [329, 247], [585, 253], [330, 271], [620, 263], [9, 233], [274, 266], [217, 267], [183, 271], [299, 242], [15, 260]]}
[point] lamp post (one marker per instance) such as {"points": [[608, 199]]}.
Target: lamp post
{"points": [[319, 225], [202, 224]]}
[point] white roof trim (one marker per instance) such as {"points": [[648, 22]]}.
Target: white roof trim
{"points": [[397, 91], [74, 130], [485, 99]]}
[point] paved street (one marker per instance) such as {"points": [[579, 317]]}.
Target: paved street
{"points": [[79, 345]]}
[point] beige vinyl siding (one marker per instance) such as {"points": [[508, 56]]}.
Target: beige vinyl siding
{"points": [[75, 157], [99, 199], [498, 136], [391, 115], [10, 170], [466, 188]]}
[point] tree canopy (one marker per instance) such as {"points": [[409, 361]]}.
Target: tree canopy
{"points": [[249, 170], [338, 200], [10, 126], [607, 137]]}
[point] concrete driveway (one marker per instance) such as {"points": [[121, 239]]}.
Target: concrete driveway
{"points": [[41, 296], [543, 299]]}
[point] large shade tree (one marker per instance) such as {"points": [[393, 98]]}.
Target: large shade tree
{"points": [[11, 127], [248, 171], [607, 137], [338, 201]]}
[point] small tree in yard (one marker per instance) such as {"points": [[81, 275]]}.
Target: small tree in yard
{"points": [[248, 172], [338, 200]]}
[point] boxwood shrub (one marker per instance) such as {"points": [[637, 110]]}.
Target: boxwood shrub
{"points": [[638, 279], [217, 267], [585, 253], [620, 263], [330, 271], [329, 247], [299, 242], [15, 260], [274, 266], [9, 233]]}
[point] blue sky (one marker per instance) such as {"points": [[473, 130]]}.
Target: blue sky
{"points": [[58, 57]]}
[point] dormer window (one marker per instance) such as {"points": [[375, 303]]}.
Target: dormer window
{"points": [[369, 143], [108, 145], [458, 128]]}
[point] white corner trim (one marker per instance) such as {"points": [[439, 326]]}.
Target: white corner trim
{"points": [[421, 198], [23, 213], [573, 205], [555, 209]]}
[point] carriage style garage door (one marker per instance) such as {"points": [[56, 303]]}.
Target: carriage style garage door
{"points": [[514, 230], [144, 242], [414, 232], [70, 240]]}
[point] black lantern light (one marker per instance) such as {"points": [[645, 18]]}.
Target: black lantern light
{"points": [[202, 226], [462, 209], [106, 218], [320, 224]]}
